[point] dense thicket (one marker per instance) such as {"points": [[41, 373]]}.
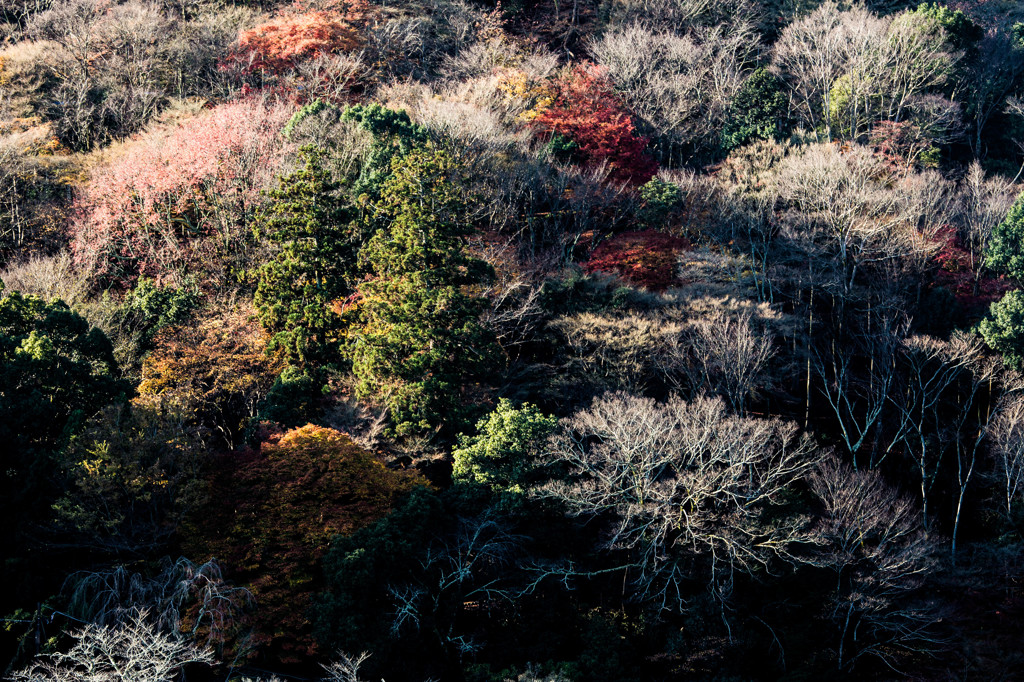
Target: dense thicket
{"points": [[441, 339]]}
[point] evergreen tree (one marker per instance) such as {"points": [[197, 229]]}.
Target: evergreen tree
{"points": [[421, 337], [310, 219], [1006, 249], [55, 372], [758, 111], [507, 445], [1003, 330], [394, 135]]}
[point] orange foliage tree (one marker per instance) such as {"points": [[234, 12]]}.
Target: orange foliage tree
{"points": [[277, 46], [585, 111], [215, 372], [272, 518]]}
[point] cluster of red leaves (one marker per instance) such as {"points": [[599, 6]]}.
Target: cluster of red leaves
{"points": [[275, 47], [956, 275], [148, 212], [646, 258], [585, 110], [274, 514], [216, 372], [898, 144]]}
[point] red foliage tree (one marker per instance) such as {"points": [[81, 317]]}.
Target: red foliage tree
{"points": [[646, 258], [584, 109], [900, 145], [272, 516], [956, 274], [179, 199], [277, 46]]}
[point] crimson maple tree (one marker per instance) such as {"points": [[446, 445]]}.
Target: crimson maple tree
{"points": [[585, 110]]}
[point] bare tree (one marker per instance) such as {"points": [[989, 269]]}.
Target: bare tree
{"points": [[982, 204], [621, 351], [183, 592], [134, 650], [939, 375], [683, 482], [1007, 443], [466, 566], [872, 539], [344, 668], [851, 68], [994, 73], [811, 54], [678, 16], [48, 277], [859, 401], [727, 356], [679, 86], [846, 208]]}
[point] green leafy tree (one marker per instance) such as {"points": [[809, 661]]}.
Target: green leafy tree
{"points": [[1003, 330], [1006, 248], [55, 372], [394, 135], [421, 339], [309, 218], [660, 200], [758, 111], [508, 440], [961, 31]]}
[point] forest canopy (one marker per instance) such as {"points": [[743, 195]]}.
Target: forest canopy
{"points": [[507, 342]]}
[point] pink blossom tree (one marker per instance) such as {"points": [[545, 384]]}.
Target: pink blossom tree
{"points": [[180, 199]]}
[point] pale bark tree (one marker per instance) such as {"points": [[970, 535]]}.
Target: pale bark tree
{"points": [[846, 208], [944, 407], [685, 484], [849, 69], [678, 86], [470, 565], [727, 356], [811, 54], [108, 598], [1007, 445], [983, 204], [134, 650], [857, 400]]}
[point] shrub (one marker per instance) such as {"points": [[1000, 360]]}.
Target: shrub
{"points": [[179, 200], [660, 200]]}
